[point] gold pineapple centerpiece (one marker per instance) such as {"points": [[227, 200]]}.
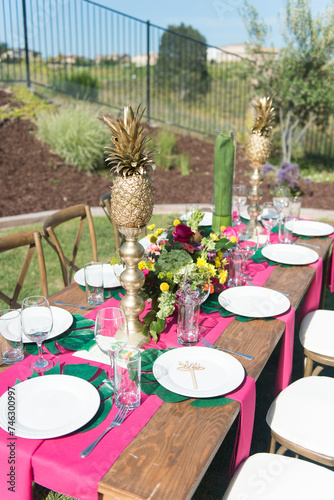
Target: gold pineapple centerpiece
{"points": [[258, 150], [132, 195], [132, 199]]}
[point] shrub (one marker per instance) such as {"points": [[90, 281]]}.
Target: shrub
{"points": [[165, 143], [76, 135], [81, 84]]}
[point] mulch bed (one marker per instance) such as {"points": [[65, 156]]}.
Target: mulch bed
{"points": [[34, 179]]}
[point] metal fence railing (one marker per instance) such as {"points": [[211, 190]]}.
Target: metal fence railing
{"points": [[93, 52]]}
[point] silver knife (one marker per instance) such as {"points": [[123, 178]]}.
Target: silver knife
{"points": [[207, 344]]}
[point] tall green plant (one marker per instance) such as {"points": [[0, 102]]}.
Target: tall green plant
{"points": [[76, 135], [81, 84]]}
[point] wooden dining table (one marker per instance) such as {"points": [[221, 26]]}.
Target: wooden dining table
{"points": [[170, 455]]}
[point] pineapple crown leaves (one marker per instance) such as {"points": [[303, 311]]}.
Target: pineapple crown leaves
{"points": [[127, 155], [263, 116]]}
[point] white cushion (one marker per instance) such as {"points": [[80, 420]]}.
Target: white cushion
{"points": [[303, 413], [273, 477], [317, 332]]}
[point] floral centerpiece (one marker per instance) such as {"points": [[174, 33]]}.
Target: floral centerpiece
{"points": [[182, 249]]}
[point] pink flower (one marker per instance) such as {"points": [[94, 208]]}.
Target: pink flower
{"points": [[230, 231], [188, 247], [182, 233], [153, 248]]}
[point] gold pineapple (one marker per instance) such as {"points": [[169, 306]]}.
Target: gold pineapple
{"points": [[132, 193], [258, 145]]}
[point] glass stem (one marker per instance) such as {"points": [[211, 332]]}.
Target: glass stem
{"points": [[40, 352]]}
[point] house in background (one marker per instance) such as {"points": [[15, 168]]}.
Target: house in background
{"points": [[234, 53]]}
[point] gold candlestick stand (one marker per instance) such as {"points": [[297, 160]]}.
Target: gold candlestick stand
{"points": [[132, 279], [254, 194]]}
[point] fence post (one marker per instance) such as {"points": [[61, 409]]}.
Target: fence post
{"points": [[148, 70], [26, 41]]}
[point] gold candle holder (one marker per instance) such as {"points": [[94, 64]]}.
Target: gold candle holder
{"points": [[132, 279], [255, 194]]}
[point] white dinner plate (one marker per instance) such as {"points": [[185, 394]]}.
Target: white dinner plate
{"points": [[254, 301], [62, 320], [50, 406], [110, 279], [221, 374], [309, 228], [290, 254], [245, 215], [206, 221]]}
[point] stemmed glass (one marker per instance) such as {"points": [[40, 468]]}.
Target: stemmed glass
{"points": [[281, 200], [111, 332], [269, 218], [196, 288], [239, 199], [37, 323], [247, 245]]}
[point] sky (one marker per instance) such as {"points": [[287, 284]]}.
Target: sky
{"points": [[79, 27], [218, 20]]}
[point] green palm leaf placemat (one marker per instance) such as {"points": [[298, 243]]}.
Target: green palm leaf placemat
{"points": [[258, 258], [91, 375], [150, 385], [116, 293]]}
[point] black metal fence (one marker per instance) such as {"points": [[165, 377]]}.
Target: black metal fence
{"points": [[93, 52]]}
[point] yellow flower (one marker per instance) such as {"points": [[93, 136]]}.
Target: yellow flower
{"points": [[141, 265], [149, 265], [217, 262], [161, 276], [211, 269], [176, 222], [214, 237], [220, 254], [151, 227], [164, 287], [113, 261], [222, 228], [169, 276], [157, 232], [152, 238], [233, 239], [222, 277], [201, 262]]}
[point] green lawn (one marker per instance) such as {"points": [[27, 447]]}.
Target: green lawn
{"points": [[11, 262]]}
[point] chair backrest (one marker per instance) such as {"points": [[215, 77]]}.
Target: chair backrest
{"points": [[31, 240], [105, 204], [67, 264]]}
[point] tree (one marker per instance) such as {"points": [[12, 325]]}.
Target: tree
{"points": [[301, 78], [181, 66]]}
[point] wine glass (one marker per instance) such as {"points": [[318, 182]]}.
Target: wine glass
{"points": [[37, 323], [247, 245], [269, 218], [239, 199], [196, 288], [111, 332], [281, 200]]}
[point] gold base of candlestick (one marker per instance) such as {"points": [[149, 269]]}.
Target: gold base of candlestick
{"points": [[131, 252]]}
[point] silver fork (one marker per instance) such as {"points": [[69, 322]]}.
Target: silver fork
{"points": [[72, 305], [207, 344], [121, 414]]}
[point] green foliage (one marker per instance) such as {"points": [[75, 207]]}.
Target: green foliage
{"points": [[183, 161], [181, 66], [76, 135], [164, 143], [30, 105], [301, 78], [81, 84]]}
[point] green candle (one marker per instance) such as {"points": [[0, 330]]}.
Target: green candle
{"points": [[224, 159]]}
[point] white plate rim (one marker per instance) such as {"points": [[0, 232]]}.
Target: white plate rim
{"points": [[92, 400], [327, 229], [79, 278], [199, 352], [311, 255], [253, 290], [245, 215]]}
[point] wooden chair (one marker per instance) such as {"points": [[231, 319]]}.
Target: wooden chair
{"points": [[271, 477], [31, 240], [301, 419], [105, 205], [317, 338], [83, 212]]}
